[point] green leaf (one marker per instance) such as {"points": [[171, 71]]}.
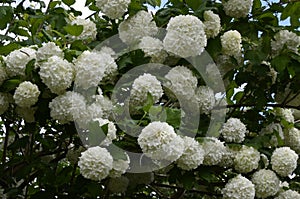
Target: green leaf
{"points": [[173, 117], [88, 2], [6, 15], [30, 67], [96, 133], [195, 4], [280, 62], [154, 3], [5, 50], [74, 30], [148, 103], [69, 2], [10, 85]]}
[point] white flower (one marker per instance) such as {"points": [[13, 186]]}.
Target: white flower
{"points": [[4, 103], [206, 99], [48, 50], [228, 157], [136, 27], [57, 74], [214, 150], [273, 129], [285, 38], [212, 24], [231, 43], [266, 183], [289, 194], [159, 141], [17, 60], [109, 51], [113, 8], [118, 185], [26, 94], [246, 160], [67, 107], [286, 114], [92, 67], [153, 48], [95, 163], [239, 187], [89, 29], [27, 113], [185, 36], [237, 8], [182, 82], [192, 156], [103, 103], [234, 130], [284, 161], [292, 139], [111, 133], [143, 85], [3, 74], [119, 166]]}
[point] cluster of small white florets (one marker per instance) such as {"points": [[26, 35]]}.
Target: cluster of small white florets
{"points": [[48, 50], [136, 27], [17, 60], [214, 150], [246, 160], [234, 130], [111, 133], [159, 141], [212, 24], [228, 157], [182, 82], [185, 36], [231, 43], [284, 161], [193, 154], [237, 8], [153, 48], [292, 139], [57, 74], [95, 163], [26, 94], [118, 185], [89, 29], [206, 99], [119, 166], [266, 183], [4, 103], [3, 74], [289, 194], [286, 114], [285, 38], [239, 187], [113, 8], [143, 85]]}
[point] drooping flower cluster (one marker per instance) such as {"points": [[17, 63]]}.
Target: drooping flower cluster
{"points": [[239, 187], [26, 94], [159, 141], [185, 36], [214, 150], [285, 38], [234, 130], [89, 29], [206, 99], [153, 48], [48, 50], [292, 139], [288, 194], [246, 160], [113, 8], [212, 24], [285, 114], [231, 43], [237, 8], [284, 161]]}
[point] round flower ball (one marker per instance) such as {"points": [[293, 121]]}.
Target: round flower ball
{"points": [[185, 36], [237, 8], [113, 8], [159, 141], [95, 163], [292, 139], [289, 194], [239, 187], [284, 161], [48, 50], [153, 47], [193, 154], [231, 43], [118, 185], [212, 24], [206, 99], [285, 38], [26, 94], [214, 150], [234, 130], [89, 29], [266, 183], [120, 166], [246, 160]]}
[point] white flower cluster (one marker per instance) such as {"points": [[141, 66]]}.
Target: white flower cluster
{"points": [[193, 155], [228, 157], [246, 160], [285, 114], [103, 103], [231, 43], [214, 150], [140, 25], [111, 133], [159, 141], [113, 8], [118, 185], [119, 167], [237, 8], [3, 74], [17, 60], [4, 103], [153, 48], [212, 24], [234, 130], [89, 29], [48, 50], [92, 67], [289, 194], [285, 38], [143, 85], [239, 187], [266, 183], [206, 99], [57, 74], [95, 163], [182, 82], [26, 94], [185, 36], [292, 139], [284, 161], [67, 107]]}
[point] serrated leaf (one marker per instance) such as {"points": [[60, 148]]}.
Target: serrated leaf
{"points": [[74, 30]]}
